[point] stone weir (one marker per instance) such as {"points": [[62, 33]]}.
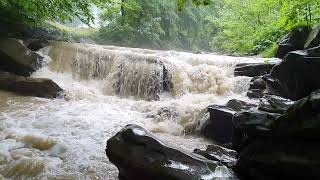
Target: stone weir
{"points": [[140, 73]]}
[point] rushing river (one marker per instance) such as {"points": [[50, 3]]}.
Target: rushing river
{"points": [[106, 88]]}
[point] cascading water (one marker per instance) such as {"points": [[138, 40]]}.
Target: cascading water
{"points": [[106, 88]]}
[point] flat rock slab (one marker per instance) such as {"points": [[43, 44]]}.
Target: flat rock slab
{"points": [[214, 152], [253, 69], [39, 87]]}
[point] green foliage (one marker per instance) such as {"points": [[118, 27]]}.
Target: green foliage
{"points": [[253, 27], [38, 11], [270, 52], [72, 34], [245, 27], [154, 24], [181, 3]]}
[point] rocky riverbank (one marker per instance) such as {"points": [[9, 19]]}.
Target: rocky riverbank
{"points": [[19, 60]]}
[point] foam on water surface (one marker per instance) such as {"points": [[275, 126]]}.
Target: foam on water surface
{"points": [[107, 88]]}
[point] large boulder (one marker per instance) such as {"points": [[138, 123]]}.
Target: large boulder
{"points": [[280, 158], [18, 59], [249, 125], [280, 146], [296, 76], [295, 40], [301, 120], [219, 126], [138, 154], [253, 69], [39, 87]]}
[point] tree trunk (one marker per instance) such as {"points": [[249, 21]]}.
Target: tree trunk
{"points": [[122, 8]]}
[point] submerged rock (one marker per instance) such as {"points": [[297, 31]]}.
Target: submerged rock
{"points": [[296, 76], [38, 44], [140, 155], [18, 59], [39, 87], [253, 69], [274, 146]]}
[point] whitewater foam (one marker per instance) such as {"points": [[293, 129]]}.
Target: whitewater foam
{"points": [[107, 88]]}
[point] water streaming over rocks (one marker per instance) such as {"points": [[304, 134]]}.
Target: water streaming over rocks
{"points": [[106, 88]]}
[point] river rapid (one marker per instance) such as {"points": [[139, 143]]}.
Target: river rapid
{"points": [[106, 88]]}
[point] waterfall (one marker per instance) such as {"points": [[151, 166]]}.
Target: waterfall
{"points": [[143, 74]]}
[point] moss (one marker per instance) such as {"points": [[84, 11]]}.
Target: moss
{"points": [[270, 52], [74, 34]]}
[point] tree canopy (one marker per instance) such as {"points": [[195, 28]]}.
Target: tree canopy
{"points": [[37, 11], [154, 24], [251, 27], [227, 26]]}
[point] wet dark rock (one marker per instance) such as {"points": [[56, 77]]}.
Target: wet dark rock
{"points": [[274, 86], [279, 158], [257, 83], [36, 45], [18, 59], [296, 76], [39, 87], [238, 105], [301, 120], [253, 69], [256, 93], [280, 146], [223, 155], [274, 104], [164, 113], [284, 49], [138, 154], [219, 126], [313, 39], [295, 40], [249, 125]]}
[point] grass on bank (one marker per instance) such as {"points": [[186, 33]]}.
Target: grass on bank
{"points": [[72, 34]]}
